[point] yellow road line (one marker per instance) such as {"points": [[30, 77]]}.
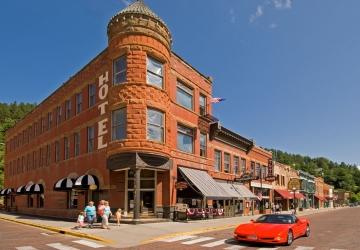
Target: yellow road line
{"points": [[59, 230]]}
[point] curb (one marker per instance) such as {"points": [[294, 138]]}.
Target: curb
{"points": [[59, 230]]}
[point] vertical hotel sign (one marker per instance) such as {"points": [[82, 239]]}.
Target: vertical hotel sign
{"points": [[103, 93]]}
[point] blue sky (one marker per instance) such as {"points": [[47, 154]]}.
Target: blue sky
{"points": [[289, 70]]}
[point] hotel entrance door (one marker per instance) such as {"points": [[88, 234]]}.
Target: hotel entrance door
{"points": [[146, 201]]}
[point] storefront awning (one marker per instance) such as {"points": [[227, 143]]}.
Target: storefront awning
{"points": [[209, 188], [34, 189], [6, 191], [64, 184], [21, 190], [229, 188], [320, 198], [285, 194], [87, 181], [244, 191], [298, 196]]}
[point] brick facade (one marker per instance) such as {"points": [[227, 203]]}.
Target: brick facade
{"points": [[31, 144]]}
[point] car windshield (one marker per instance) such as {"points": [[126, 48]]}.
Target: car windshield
{"points": [[277, 219]]}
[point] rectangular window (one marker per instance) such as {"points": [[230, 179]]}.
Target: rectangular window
{"points": [[202, 104], [185, 139], [263, 172], [40, 157], [48, 154], [78, 100], [217, 160], [226, 163], [34, 166], [43, 125], [90, 139], [92, 95], [154, 72], [58, 115], [184, 96], [243, 166], [257, 170], [119, 69], [203, 143], [236, 165], [67, 109], [253, 168], [77, 144], [57, 151], [66, 148], [49, 120], [155, 125], [119, 124]]}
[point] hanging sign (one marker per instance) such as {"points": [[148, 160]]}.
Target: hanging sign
{"points": [[294, 183]]}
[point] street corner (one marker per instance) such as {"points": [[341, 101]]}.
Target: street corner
{"points": [[60, 230]]}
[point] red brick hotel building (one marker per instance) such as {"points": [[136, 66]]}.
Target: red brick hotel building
{"points": [[134, 127]]}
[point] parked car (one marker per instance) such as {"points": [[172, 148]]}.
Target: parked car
{"points": [[273, 229]]}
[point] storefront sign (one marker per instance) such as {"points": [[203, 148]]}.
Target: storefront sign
{"points": [[294, 183], [102, 124], [270, 178], [181, 185], [181, 207], [246, 177], [270, 168]]}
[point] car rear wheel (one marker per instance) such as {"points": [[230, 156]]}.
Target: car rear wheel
{"points": [[290, 238], [307, 231]]}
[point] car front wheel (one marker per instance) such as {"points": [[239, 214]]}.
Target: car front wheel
{"points": [[290, 238], [307, 231]]}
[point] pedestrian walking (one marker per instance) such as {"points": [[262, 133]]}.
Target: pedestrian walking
{"points": [[101, 213], [90, 213], [107, 214], [80, 220], [118, 216]]}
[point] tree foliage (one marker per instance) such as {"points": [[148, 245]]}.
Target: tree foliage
{"points": [[9, 115], [340, 175]]}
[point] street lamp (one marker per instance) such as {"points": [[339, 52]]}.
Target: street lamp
{"points": [[294, 189]]}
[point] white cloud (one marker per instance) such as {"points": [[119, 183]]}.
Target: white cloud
{"points": [[273, 26], [282, 4], [126, 2], [259, 12]]}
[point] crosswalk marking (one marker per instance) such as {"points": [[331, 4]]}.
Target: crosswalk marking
{"points": [[60, 246], [303, 248], [26, 248], [235, 247], [177, 238], [201, 239], [215, 243], [88, 243]]}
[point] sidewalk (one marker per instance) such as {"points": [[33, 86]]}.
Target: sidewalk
{"points": [[127, 235]]}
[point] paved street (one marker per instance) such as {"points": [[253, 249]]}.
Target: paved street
{"points": [[338, 229], [22, 237]]}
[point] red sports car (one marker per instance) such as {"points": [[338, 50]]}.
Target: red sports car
{"points": [[273, 229]]}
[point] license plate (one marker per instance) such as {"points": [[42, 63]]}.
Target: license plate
{"points": [[252, 237]]}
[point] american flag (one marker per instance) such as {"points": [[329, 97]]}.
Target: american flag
{"points": [[216, 99]]}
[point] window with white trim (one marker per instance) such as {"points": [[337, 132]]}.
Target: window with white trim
{"points": [[155, 125], [226, 163], [154, 72], [184, 95], [217, 156], [203, 142], [185, 139]]}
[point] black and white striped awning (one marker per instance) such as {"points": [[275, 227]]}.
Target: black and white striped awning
{"points": [[21, 190], [64, 184], [87, 181], [6, 191], [35, 189]]}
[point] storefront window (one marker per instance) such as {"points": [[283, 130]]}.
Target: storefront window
{"points": [[73, 199]]}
